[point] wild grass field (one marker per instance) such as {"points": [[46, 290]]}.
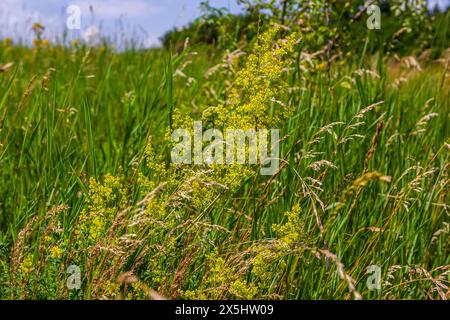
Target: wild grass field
{"points": [[87, 182]]}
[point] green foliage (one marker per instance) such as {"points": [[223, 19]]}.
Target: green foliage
{"points": [[331, 28], [215, 27]]}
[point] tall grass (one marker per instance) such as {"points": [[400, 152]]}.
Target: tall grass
{"points": [[363, 179]]}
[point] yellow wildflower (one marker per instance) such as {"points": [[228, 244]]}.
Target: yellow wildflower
{"points": [[55, 252], [321, 66], [46, 43], [27, 264], [8, 42], [37, 42]]}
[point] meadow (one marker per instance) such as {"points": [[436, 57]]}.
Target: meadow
{"points": [[91, 206]]}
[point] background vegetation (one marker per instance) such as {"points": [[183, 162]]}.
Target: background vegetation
{"points": [[86, 177]]}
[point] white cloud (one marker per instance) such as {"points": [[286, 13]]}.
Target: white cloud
{"points": [[92, 34], [16, 16], [152, 42], [114, 9]]}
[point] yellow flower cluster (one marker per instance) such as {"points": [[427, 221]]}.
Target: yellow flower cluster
{"points": [[290, 233], [104, 200], [267, 261], [271, 258], [253, 100], [222, 280], [8, 42], [253, 103], [55, 252], [38, 43], [6, 45], [27, 264]]}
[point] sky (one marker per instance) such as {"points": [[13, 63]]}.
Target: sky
{"points": [[119, 19], [146, 19]]}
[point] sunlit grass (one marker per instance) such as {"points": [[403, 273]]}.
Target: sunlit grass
{"points": [[364, 179]]}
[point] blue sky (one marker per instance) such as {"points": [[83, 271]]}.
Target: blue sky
{"points": [[146, 19]]}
